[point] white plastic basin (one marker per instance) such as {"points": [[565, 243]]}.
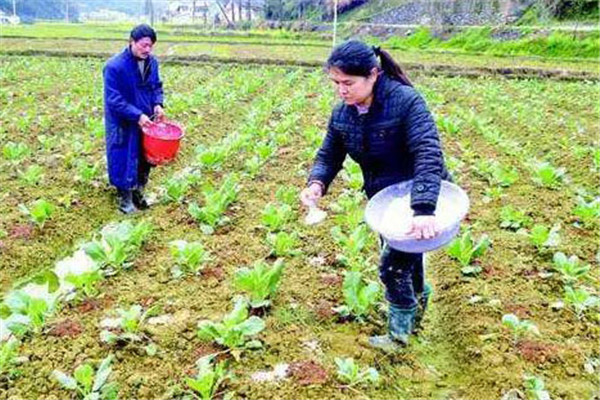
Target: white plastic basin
{"points": [[389, 214]]}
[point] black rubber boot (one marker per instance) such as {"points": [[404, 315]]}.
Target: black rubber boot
{"points": [[400, 326], [126, 201], [423, 299], [138, 198]]}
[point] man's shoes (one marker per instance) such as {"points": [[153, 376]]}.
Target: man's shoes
{"points": [[138, 199], [126, 205]]}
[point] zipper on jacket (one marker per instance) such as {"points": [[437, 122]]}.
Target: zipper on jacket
{"points": [[146, 69]]}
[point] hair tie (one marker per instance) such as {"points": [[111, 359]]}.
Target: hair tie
{"points": [[376, 50]]}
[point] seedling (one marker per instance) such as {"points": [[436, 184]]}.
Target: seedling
{"points": [[8, 355], [519, 328], [352, 374], [117, 245], [511, 218], [15, 152], [465, 250], [260, 282], [275, 217], [283, 244], [79, 273], [175, 189], [129, 325], [209, 378], [353, 175], [211, 158], [360, 297], [235, 330], [90, 386], [253, 166], [546, 175], [287, 195], [535, 388], [216, 202], [190, 257], [86, 172], [587, 212], [32, 175], [542, 237], [581, 300], [352, 245], [35, 303], [39, 212], [571, 269]]}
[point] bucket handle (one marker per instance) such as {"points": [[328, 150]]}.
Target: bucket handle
{"points": [[154, 116]]}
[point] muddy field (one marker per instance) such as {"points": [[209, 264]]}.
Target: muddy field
{"points": [[525, 150]]}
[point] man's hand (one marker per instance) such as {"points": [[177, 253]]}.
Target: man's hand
{"points": [[144, 121], [159, 113], [423, 227]]}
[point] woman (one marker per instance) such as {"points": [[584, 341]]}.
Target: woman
{"points": [[384, 125]]}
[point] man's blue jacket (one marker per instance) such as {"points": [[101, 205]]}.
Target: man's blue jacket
{"points": [[127, 95]]}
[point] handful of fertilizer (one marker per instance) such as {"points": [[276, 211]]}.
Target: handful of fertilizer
{"points": [[315, 215]]}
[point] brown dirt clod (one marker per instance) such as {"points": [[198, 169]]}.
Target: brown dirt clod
{"points": [[537, 352], [22, 231], [215, 272], [66, 328], [331, 279], [324, 310], [308, 373]]}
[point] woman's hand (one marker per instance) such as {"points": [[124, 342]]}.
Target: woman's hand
{"points": [[423, 227], [311, 195]]}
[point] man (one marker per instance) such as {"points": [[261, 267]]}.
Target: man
{"points": [[132, 95]]}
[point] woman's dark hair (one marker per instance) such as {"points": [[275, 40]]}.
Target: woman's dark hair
{"points": [[357, 58], [142, 31]]}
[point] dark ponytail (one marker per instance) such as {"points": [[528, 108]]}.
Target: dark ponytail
{"points": [[390, 67], [356, 58]]}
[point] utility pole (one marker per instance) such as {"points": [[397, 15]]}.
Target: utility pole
{"points": [[67, 11], [150, 11], [14, 8], [223, 11], [335, 4], [249, 10]]}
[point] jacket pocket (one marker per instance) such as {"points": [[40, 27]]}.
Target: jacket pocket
{"points": [[384, 140], [118, 136]]}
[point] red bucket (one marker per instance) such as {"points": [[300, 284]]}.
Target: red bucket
{"points": [[161, 142]]}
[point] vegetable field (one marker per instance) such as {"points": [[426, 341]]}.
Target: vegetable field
{"points": [[220, 290]]}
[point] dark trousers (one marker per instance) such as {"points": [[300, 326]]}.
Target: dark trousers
{"points": [[143, 171], [403, 276]]}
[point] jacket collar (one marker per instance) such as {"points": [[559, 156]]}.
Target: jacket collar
{"points": [[129, 54], [381, 89]]}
